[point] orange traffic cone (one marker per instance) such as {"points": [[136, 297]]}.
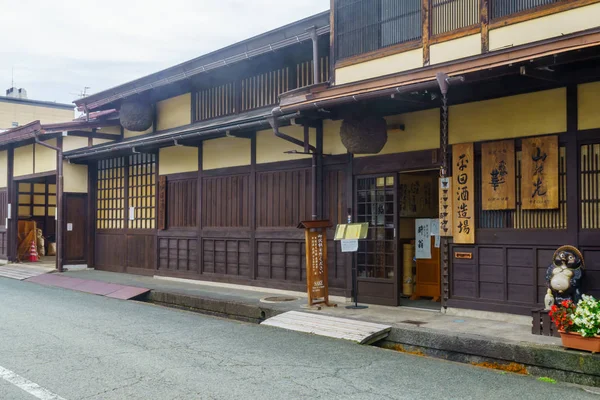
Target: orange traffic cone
{"points": [[33, 255]]}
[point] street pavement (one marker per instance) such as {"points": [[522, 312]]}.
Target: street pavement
{"points": [[60, 344]]}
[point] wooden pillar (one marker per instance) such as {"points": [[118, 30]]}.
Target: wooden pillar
{"points": [[252, 207], [11, 241], [350, 257], [200, 244], [426, 19], [332, 42], [485, 24], [92, 215], [320, 177], [572, 165]]}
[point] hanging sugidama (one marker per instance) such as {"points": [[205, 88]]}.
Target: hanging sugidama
{"points": [[365, 135], [136, 115]]}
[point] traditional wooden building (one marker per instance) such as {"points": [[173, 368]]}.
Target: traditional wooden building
{"points": [[218, 159]]}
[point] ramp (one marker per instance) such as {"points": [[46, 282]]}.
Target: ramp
{"points": [[22, 272], [90, 286], [339, 328]]}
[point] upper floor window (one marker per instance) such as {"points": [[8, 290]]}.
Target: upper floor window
{"points": [[362, 26], [502, 8]]}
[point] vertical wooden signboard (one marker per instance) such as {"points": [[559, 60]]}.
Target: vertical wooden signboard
{"points": [[445, 204], [463, 182], [539, 173], [498, 175], [315, 234], [162, 203]]}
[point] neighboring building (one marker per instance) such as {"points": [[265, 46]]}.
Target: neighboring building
{"points": [[17, 110], [242, 144]]}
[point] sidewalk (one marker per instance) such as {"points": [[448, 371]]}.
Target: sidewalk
{"points": [[508, 346]]}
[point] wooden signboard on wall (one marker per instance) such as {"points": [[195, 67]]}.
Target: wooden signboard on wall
{"points": [[498, 175], [463, 182], [162, 203], [315, 234], [446, 210], [539, 173]]}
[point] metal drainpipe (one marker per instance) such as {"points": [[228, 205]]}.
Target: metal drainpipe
{"points": [[59, 198], [315, 39]]}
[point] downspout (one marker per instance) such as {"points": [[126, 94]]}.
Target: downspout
{"points": [[308, 149], [59, 199], [315, 45]]}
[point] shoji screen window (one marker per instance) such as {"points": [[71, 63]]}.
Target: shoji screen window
{"points": [[142, 191], [111, 194]]}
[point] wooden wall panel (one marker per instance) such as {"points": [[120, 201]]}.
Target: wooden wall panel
{"points": [[334, 197], [226, 257], [281, 260], [225, 201], [110, 252], [3, 215], [141, 253], [178, 255], [508, 278], [283, 198], [182, 199]]}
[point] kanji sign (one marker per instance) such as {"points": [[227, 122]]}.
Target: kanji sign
{"points": [[315, 234], [539, 173], [463, 182], [445, 204], [498, 175], [423, 238]]}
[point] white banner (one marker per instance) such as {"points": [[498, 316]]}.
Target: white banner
{"points": [[423, 238]]}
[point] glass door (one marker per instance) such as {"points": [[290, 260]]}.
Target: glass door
{"points": [[376, 259]]}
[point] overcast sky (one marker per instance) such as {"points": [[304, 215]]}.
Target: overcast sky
{"points": [[58, 47]]}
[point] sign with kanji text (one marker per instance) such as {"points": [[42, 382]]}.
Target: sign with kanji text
{"points": [[315, 235], [539, 173], [423, 238], [463, 182], [498, 175], [445, 205]]}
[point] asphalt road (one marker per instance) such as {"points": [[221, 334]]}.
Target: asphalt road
{"points": [[68, 345]]}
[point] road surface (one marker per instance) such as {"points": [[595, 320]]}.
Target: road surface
{"points": [[59, 344]]}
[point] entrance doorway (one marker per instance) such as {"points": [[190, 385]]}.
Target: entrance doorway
{"points": [[36, 211], [387, 271], [418, 210]]}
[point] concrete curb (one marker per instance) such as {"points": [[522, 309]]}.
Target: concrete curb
{"points": [[557, 363]]}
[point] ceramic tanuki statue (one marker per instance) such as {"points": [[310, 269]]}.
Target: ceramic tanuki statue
{"points": [[564, 276]]}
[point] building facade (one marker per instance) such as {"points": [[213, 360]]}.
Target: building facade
{"points": [[16, 110], [242, 144]]}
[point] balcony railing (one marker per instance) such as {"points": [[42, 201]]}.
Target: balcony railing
{"points": [[256, 91], [362, 27], [503, 8]]}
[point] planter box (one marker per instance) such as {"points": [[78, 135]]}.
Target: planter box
{"points": [[578, 342]]}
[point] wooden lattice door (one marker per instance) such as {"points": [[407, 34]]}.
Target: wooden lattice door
{"points": [[376, 259]]}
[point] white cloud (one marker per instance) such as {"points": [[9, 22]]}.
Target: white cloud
{"points": [[58, 47]]}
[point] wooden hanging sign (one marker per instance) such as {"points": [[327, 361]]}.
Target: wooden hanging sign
{"points": [[315, 234], [539, 173], [162, 203], [445, 204], [498, 175], [463, 182]]}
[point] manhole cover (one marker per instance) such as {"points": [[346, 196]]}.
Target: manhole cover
{"points": [[417, 323], [278, 299]]}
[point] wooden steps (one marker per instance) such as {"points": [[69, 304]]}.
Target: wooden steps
{"points": [[339, 328]]}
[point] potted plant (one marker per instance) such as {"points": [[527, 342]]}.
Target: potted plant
{"points": [[579, 325]]}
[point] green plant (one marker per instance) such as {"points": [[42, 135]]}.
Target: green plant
{"points": [[546, 379], [586, 317]]}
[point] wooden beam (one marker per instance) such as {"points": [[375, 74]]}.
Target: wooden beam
{"points": [[425, 5], [95, 135]]}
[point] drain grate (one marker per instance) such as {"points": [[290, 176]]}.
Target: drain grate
{"points": [[411, 322], [278, 299]]}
